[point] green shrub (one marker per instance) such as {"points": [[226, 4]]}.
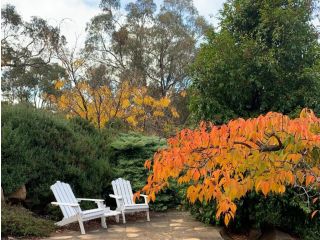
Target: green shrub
{"points": [[204, 212], [129, 152], [39, 148], [18, 221], [288, 212]]}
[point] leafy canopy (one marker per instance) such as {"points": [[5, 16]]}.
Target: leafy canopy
{"points": [[146, 45], [263, 58], [27, 48], [225, 162]]}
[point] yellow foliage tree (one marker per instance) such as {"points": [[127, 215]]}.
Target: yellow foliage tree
{"points": [[101, 104]]}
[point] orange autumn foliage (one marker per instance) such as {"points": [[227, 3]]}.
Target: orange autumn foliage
{"points": [[266, 154]]}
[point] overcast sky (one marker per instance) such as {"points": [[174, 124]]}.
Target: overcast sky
{"points": [[76, 13]]}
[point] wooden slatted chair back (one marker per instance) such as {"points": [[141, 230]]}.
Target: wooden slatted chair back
{"points": [[122, 187], [63, 194]]}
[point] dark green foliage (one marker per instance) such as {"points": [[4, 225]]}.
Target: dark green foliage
{"points": [[129, 154], [264, 58], [288, 212], [18, 221], [130, 151], [205, 212], [29, 84], [39, 148]]}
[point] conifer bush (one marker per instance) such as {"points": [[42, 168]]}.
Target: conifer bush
{"points": [[18, 221], [39, 148], [129, 152]]}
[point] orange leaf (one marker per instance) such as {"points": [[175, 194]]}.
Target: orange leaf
{"points": [[282, 189], [265, 187], [314, 213], [218, 213], [233, 208], [136, 195], [227, 218], [152, 197], [147, 164], [309, 179], [196, 175], [300, 176]]}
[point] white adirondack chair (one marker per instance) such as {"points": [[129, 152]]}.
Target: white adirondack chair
{"points": [[124, 198], [70, 207]]}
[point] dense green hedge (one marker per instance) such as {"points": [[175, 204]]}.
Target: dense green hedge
{"points": [[288, 212], [129, 152], [18, 221], [39, 148]]}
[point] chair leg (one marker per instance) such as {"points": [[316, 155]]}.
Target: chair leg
{"points": [[81, 227], [103, 222], [123, 217], [117, 219], [148, 216]]}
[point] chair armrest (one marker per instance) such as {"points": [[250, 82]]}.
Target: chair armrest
{"points": [[65, 204], [145, 198], [115, 196], [90, 199]]}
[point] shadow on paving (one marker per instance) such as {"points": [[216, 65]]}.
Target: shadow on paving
{"points": [[168, 225]]}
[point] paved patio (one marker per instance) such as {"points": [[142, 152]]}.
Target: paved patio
{"points": [[169, 225]]}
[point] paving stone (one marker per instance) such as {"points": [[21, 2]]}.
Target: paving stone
{"points": [[159, 225], [171, 225], [175, 224], [180, 220], [183, 228], [133, 229], [199, 228], [133, 235], [61, 237], [118, 230]]}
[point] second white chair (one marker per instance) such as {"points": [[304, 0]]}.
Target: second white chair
{"points": [[124, 197]]}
